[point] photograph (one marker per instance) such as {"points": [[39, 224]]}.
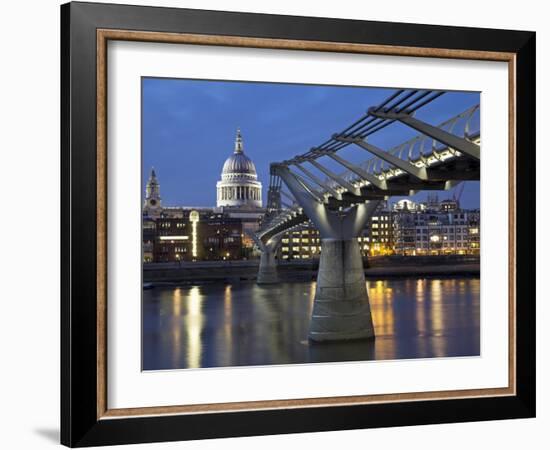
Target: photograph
{"points": [[299, 223]]}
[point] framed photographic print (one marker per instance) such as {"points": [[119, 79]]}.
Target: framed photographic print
{"points": [[277, 224]]}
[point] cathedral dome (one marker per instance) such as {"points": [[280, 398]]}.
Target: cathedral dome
{"points": [[238, 163], [239, 185]]}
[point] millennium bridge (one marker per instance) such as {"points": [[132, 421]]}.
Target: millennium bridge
{"points": [[339, 203]]}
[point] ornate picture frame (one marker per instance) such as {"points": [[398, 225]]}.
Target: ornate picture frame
{"points": [[86, 29]]}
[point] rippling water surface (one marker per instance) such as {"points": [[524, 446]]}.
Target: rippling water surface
{"points": [[245, 324]]}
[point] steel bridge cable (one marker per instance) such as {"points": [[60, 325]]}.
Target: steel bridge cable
{"points": [[380, 127], [389, 122], [425, 102], [373, 124], [332, 145], [399, 101], [413, 101], [365, 118], [389, 99]]}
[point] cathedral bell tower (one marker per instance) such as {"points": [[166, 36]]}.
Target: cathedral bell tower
{"points": [[152, 205]]}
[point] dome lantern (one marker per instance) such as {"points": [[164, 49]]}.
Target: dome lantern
{"points": [[238, 142]]}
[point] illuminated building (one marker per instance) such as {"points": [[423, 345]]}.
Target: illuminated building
{"points": [[408, 228], [407, 204], [239, 185], [437, 232], [377, 237], [303, 243], [198, 235], [449, 205]]}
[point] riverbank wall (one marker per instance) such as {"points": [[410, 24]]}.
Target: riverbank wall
{"points": [[375, 268]]}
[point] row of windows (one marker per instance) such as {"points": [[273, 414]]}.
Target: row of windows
{"points": [[443, 230], [303, 232], [239, 193], [446, 245], [298, 240], [381, 218], [297, 256], [217, 240], [313, 248], [454, 230], [171, 224], [445, 238]]}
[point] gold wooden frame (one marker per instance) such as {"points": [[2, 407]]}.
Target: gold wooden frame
{"points": [[103, 36]]}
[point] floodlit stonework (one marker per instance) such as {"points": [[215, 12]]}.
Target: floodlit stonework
{"points": [[239, 186]]}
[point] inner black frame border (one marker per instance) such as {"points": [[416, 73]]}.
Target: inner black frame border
{"points": [[79, 423]]}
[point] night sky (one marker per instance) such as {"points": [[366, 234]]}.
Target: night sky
{"points": [[189, 126]]}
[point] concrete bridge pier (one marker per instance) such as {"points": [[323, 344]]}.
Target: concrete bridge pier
{"points": [[341, 309], [267, 271]]}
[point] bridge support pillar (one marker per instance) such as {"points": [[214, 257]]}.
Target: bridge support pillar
{"points": [[341, 307], [267, 271]]}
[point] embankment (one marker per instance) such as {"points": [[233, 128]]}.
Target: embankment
{"points": [[375, 268]]}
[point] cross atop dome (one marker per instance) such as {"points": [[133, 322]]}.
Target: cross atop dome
{"points": [[239, 142]]}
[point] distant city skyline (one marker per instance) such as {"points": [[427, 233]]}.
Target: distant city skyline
{"points": [[189, 126]]}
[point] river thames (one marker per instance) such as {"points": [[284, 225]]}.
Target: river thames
{"points": [[243, 324]]}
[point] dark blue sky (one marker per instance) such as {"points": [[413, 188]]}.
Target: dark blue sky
{"points": [[188, 129]]}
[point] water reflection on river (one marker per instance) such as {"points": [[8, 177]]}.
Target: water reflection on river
{"points": [[244, 324]]}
